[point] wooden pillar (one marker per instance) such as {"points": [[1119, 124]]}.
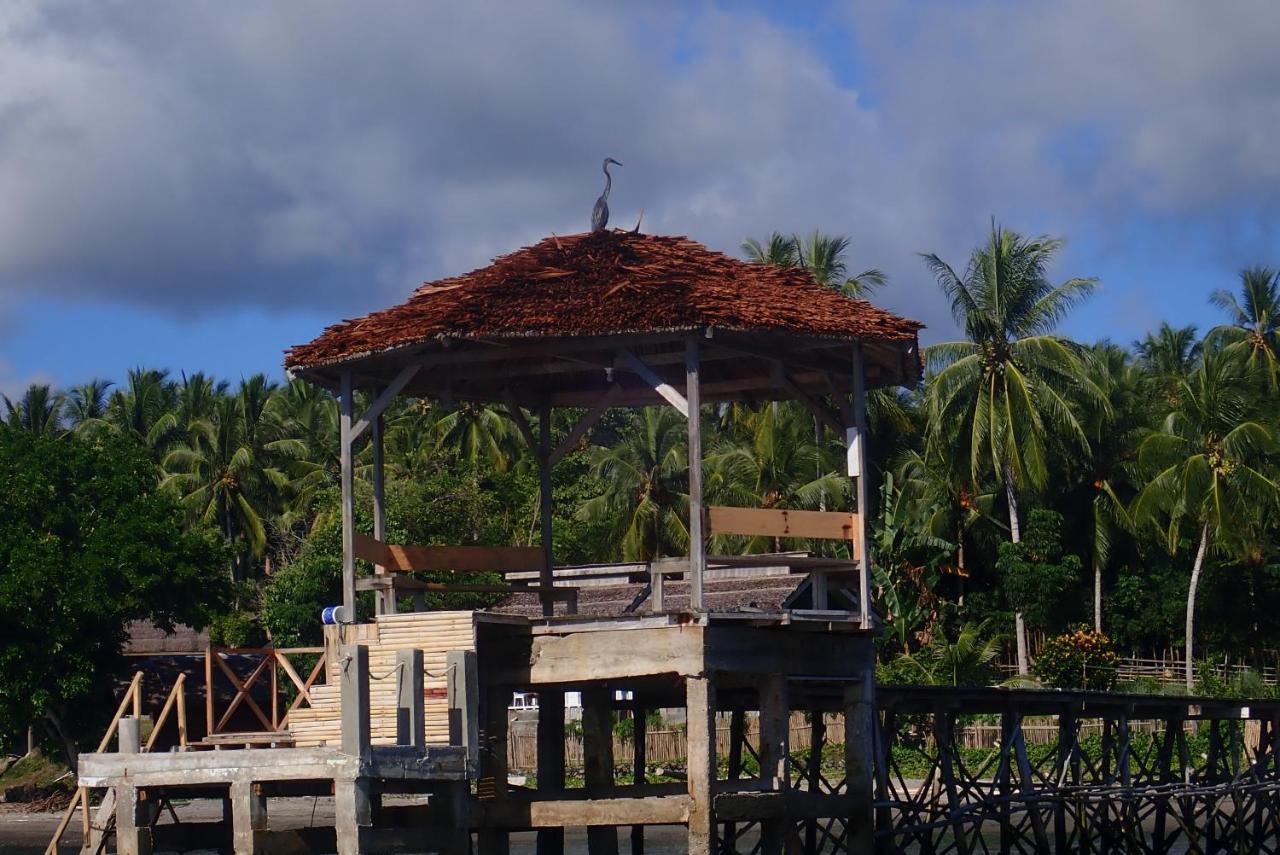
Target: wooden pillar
{"points": [[354, 688], [700, 709], [411, 719], [697, 546], [493, 766], [386, 600], [347, 416], [545, 508], [597, 749], [550, 761], [859, 748], [775, 756], [639, 762], [860, 469]]}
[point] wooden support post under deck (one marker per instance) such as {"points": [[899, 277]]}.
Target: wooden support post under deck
{"points": [[858, 455], [701, 721], [697, 546], [597, 749], [859, 749], [492, 785], [550, 761], [775, 756], [348, 409], [639, 762], [386, 600], [547, 576]]}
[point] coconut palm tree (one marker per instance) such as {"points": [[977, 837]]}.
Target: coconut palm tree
{"points": [[773, 461], [231, 469], [87, 402], [1169, 351], [645, 478], [478, 434], [778, 249], [138, 408], [39, 410], [1208, 464], [1002, 394], [820, 254], [1254, 329]]}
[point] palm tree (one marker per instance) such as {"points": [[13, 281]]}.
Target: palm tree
{"points": [[308, 413], [1002, 394], [478, 434], [1207, 462], [773, 462], [1169, 352], [87, 402], [778, 249], [820, 254], [39, 410], [645, 478], [231, 469], [138, 408], [1254, 329], [1113, 431]]}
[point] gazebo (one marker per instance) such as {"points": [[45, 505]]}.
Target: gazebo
{"points": [[602, 320]]}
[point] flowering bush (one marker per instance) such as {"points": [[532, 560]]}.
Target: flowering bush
{"points": [[1078, 660]]}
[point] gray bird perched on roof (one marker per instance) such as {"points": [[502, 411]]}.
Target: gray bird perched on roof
{"points": [[600, 213]]}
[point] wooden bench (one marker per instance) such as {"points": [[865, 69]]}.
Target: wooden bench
{"points": [[244, 739]]}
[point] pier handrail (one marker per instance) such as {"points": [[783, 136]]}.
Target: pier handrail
{"points": [[274, 660]]}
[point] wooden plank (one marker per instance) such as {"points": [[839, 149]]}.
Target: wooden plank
{"points": [[546, 500], [380, 404], [861, 489], [632, 362], [562, 813], [410, 559], [584, 424], [697, 539], [775, 522], [348, 479]]}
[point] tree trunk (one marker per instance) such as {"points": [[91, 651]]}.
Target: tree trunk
{"points": [[68, 741], [1097, 595], [1191, 605], [1015, 534]]}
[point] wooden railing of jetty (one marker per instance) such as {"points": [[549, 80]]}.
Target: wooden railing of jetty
{"points": [[272, 662]]}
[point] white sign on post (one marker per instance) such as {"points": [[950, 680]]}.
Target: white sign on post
{"points": [[853, 452]]}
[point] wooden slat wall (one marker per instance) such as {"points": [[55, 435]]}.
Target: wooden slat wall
{"points": [[434, 633]]}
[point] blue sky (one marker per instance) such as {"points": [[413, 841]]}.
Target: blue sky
{"points": [[197, 187]]}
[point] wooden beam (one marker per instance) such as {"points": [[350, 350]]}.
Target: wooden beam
{"points": [[384, 604], [584, 424], [858, 451], [526, 430], [632, 362], [577, 812], [693, 410], [380, 403], [348, 480], [413, 559], [778, 522], [821, 412], [545, 506]]}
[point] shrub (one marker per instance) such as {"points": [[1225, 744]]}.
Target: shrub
{"points": [[1078, 660]]}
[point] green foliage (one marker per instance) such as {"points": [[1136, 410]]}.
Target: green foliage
{"points": [[1078, 660], [969, 660], [87, 544], [237, 628], [1037, 577]]}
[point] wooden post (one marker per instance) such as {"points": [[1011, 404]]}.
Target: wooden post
{"points": [[550, 761], [208, 690], [547, 576], [639, 762], [354, 686], [657, 587], [700, 709], [858, 459], [348, 404], [697, 547], [493, 767], [386, 600], [775, 748], [859, 748], [597, 749], [411, 720]]}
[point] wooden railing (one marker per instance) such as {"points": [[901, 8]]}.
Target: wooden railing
{"points": [[176, 702], [271, 662]]}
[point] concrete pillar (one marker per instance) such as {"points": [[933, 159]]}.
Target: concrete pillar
{"points": [[353, 815], [411, 720], [701, 716], [775, 747], [354, 686], [464, 704], [859, 749], [550, 761], [597, 749], [133, 814], [248, 815]]}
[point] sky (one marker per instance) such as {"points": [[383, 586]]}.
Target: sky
{"points": [[197, 186]]}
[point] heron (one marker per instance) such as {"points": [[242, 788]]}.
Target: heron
{"points": [[600, 213]]}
